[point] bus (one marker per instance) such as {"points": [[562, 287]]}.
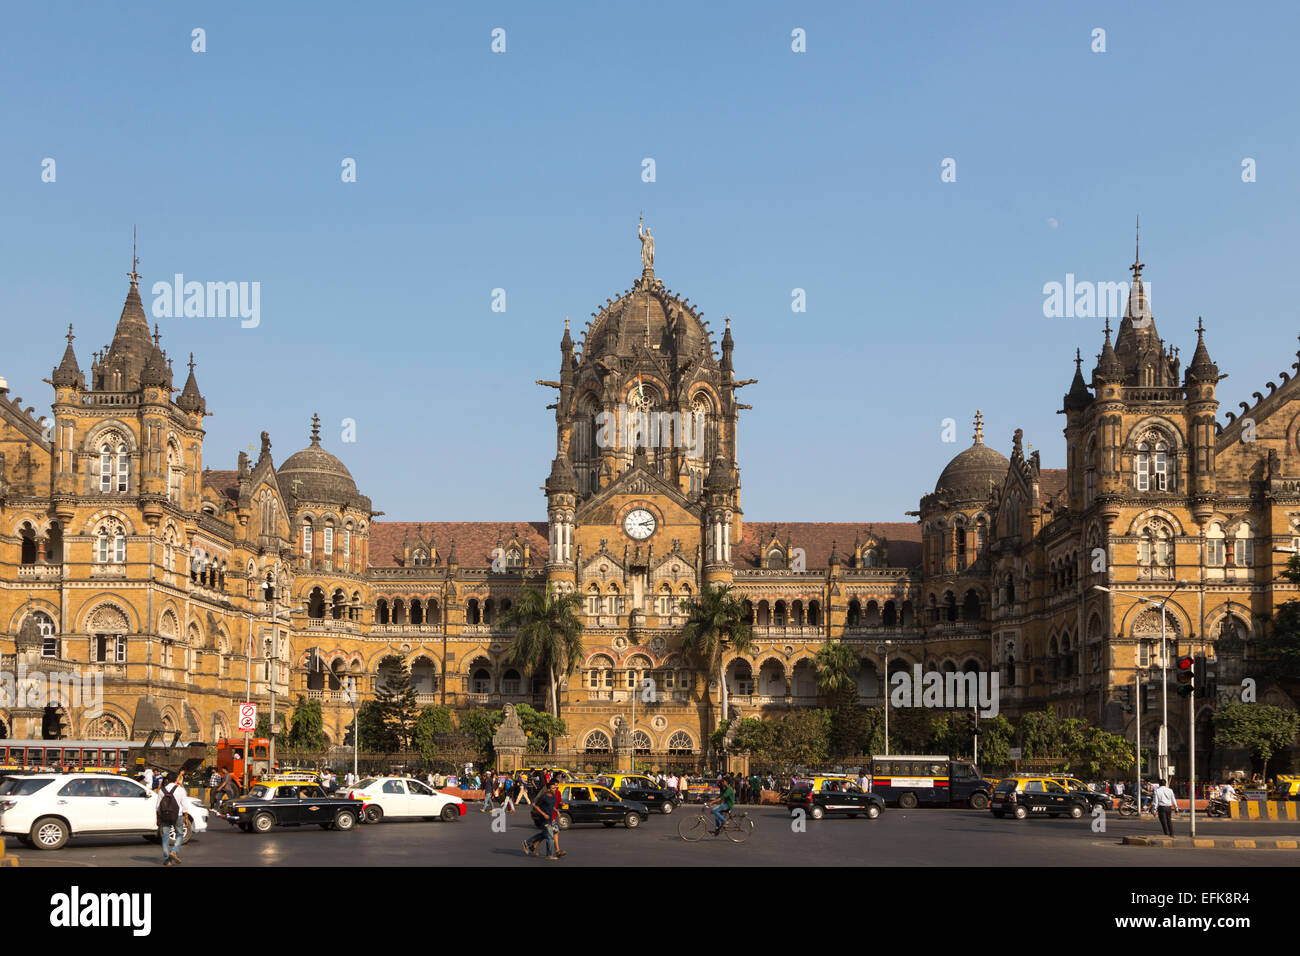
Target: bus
{"points": [[908, 780], [99, 756], [231, 756]]}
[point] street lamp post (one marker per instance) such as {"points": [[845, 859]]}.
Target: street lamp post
{"points": [[350, 692], [1163, 743], [883, 650]]}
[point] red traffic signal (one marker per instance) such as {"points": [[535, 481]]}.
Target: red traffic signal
{"points": [[1187, 676]]}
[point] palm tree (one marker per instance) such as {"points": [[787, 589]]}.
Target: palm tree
{"points": [[548, 636], [717, 620], [837, 667]]}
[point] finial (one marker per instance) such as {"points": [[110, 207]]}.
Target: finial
{"points": [[979, 427], [134, 275], [1078, 360], [156, 334], [566, 323], [191, 362], [70, 335], [728, 321], [1200, 327], [1108, 327], [1136, 268], [315, 429]]}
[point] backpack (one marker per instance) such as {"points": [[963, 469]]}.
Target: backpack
{"points": [[169, 809]]}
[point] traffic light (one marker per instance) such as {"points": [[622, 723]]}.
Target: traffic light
{"points": [[1187, 676], [1201, 678], [973, 722], [1126, 698]]}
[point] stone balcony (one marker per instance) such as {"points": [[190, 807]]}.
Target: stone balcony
{"points": [[40, 572]]}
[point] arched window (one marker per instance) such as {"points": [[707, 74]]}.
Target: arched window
{"points": [[775, 560], [347, 548], [1151, 465], [49, 639], [306, 537], [114, 465], [597, 742], [174, 473], [1243, 547], [680, 743], [110, 544], [1215, 554], [327, 540]]}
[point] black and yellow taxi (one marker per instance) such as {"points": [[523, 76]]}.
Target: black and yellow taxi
{"points": [[642, 789], [292, 803], [1077, 786], [1037, 796], [589, 802], [1286, 787], [837, 794]]}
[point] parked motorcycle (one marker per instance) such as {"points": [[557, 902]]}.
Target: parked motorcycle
{"points": [[1219, 807]]}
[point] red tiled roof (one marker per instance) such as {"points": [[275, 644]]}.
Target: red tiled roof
{"points": [[1052, 481], [474, 540], [816, 537], [224, 483]]}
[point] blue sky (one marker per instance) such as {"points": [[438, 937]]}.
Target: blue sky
{"points": [[522, 171]]}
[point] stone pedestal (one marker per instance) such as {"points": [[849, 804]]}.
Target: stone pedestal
{"points": [[623, 747], [510, 743]]}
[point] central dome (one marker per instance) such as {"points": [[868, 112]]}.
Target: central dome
{"points": [[972, 471], [313, 474]]}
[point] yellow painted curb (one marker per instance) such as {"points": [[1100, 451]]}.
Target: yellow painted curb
{"points": [[1288, 844], [1244, 844], [1209, 843]]}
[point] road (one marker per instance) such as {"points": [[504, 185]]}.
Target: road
{"points": [[923, 837]]}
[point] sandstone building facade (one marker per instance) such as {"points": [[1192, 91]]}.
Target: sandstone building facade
{"points": [[180, 584]]}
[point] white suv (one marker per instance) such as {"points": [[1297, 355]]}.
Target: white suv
{"points": [[45, 810]]}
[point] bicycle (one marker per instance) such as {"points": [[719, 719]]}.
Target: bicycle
{"points": [[738, 828]]}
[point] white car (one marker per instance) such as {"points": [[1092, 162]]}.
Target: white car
{"points": [[403, 798], [45, 810]]}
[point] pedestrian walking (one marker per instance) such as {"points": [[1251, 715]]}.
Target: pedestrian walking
{"points": [[521, 787], [488, 805], [1166, 804], [148, 778], [172, 805], [545, 817]]}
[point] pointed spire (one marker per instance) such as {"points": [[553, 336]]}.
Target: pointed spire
{"points": [[979, 427], [1108, 364], [154, 372], [1078, 397], [191, 400], [68, 374], [315, 430], [131, 341], [1202, 368]]}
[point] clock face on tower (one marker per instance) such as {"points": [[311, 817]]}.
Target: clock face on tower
{"points": [[639, 524]]}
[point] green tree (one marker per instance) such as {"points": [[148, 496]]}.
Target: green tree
{"points": [[836, 667], [307, 726], [376, 734], [539, 727], [430, 724], [802, 740], [1276, 654], [1262, 729], [397, 703], [548, 636], [718, 620]]}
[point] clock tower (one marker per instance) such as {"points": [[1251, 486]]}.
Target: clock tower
{"points": [[643, 496]]}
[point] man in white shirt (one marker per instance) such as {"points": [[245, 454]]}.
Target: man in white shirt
{"points": [[171, 835], [148, 778], [864, 781], [1166, 804]]}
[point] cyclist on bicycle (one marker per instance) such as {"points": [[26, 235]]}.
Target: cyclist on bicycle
{"points": [[726, 800]]}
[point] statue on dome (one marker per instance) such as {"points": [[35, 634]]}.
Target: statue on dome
{"points": [[647, 246]]}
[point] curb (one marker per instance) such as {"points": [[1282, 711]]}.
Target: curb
{"points": [[1247, 843]]}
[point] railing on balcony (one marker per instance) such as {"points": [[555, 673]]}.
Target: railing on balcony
{"points": [[40, 572], [407, 629], [111, 398], [786, 631]]}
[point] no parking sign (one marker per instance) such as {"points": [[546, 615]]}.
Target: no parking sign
{"points": [[248, 717]]}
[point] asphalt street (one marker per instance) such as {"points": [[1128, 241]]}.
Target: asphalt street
{"points": [[923, 837]]}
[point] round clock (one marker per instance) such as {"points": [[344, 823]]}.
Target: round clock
{"points": [[639, 524]]}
